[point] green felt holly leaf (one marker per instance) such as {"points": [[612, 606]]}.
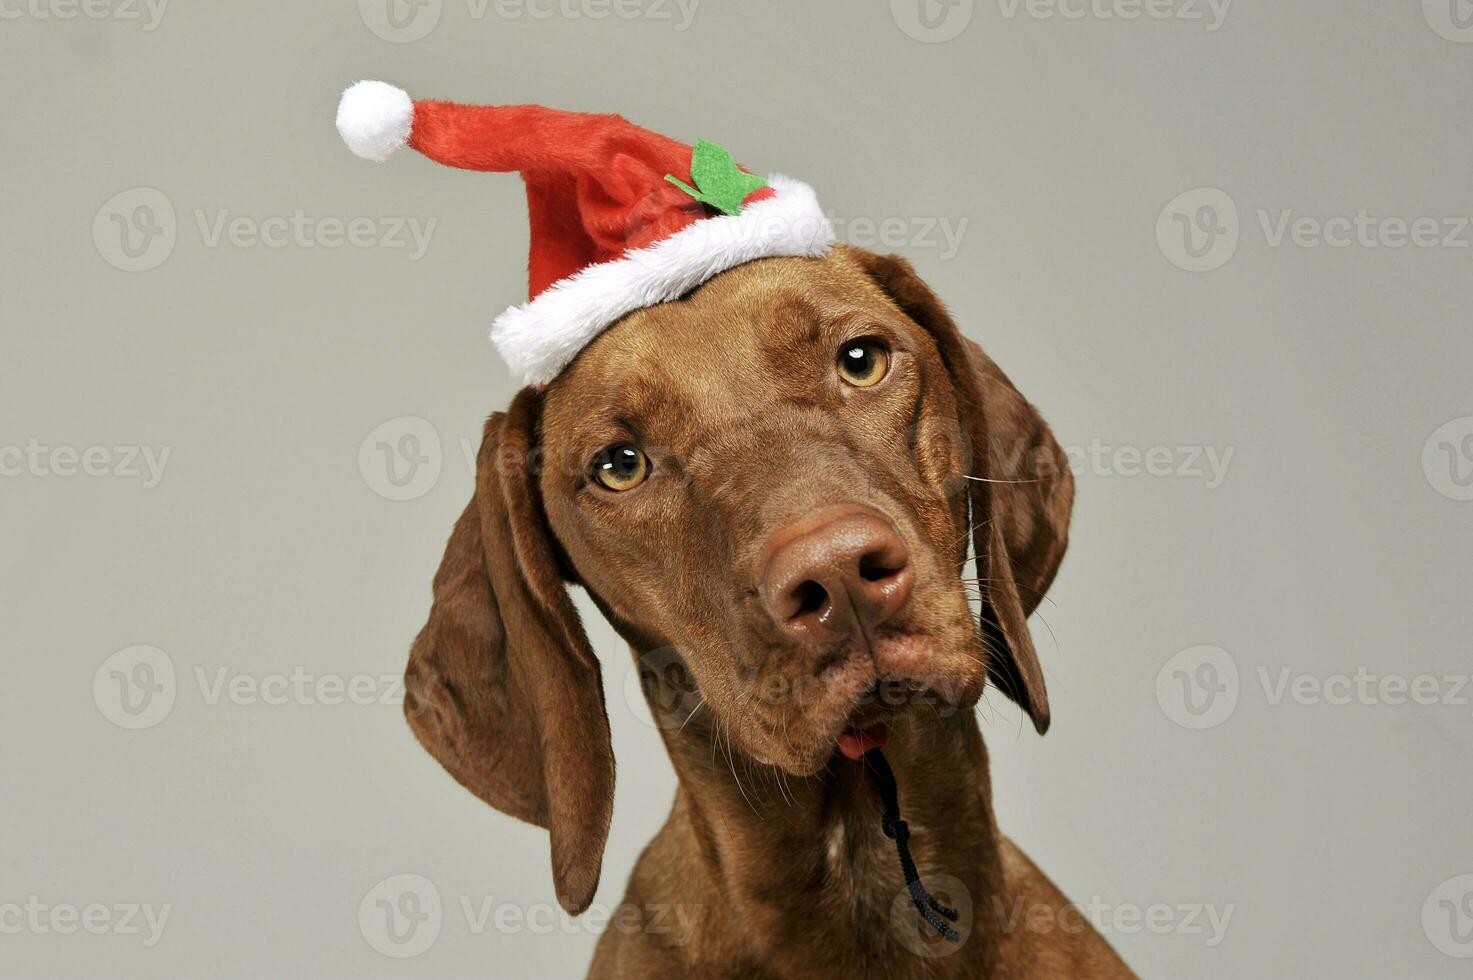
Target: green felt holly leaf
{"points": [[723, 185]]}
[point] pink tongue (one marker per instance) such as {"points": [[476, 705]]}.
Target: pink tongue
{"points": [[856, 742]]}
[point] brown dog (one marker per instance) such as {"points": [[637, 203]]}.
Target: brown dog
{"points": [[768, 486]]}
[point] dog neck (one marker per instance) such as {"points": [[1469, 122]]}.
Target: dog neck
{"points": [[804, 866]]}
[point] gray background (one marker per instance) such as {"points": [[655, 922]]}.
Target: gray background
{"points": [[1331, 544]]}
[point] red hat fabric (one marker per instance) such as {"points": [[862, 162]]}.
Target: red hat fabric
{"points": [[615, 225]]}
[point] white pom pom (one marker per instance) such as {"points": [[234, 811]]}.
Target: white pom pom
{"points": [[374, 119]]}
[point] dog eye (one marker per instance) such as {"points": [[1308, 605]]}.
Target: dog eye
{"points": [[621, 468], [863, 363]]}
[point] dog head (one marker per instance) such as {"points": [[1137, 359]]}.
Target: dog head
{"points": [[773, 480]]}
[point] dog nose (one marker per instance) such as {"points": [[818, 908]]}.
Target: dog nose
{"points": [[852, 567]]}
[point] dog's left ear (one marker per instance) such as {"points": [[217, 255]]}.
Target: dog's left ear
{"points": [[1021, 487]]}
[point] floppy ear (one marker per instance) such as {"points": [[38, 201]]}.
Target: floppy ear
{"points": [[1021, 488], [502, 687]]}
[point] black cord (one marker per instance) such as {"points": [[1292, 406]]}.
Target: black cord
{"points": [[896, 829]]}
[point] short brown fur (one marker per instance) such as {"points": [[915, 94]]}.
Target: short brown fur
{"points": [[772, 862]]}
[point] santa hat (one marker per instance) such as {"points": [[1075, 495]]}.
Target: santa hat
{"points": [[616, 224]]}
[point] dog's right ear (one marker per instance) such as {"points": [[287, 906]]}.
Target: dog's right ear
{"points": [[1021, 489], [502, 687]]}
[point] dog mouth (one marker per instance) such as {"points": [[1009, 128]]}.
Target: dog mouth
{"points": [[847, 712], [867, 727], [870, 719], [855, 742]]}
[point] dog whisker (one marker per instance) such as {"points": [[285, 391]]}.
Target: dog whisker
{"points": [[731, 764], [983, 479], [699, 705], [782, 775]]}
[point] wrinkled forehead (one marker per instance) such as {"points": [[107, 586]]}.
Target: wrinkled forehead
{"points": [[744, 340]]}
